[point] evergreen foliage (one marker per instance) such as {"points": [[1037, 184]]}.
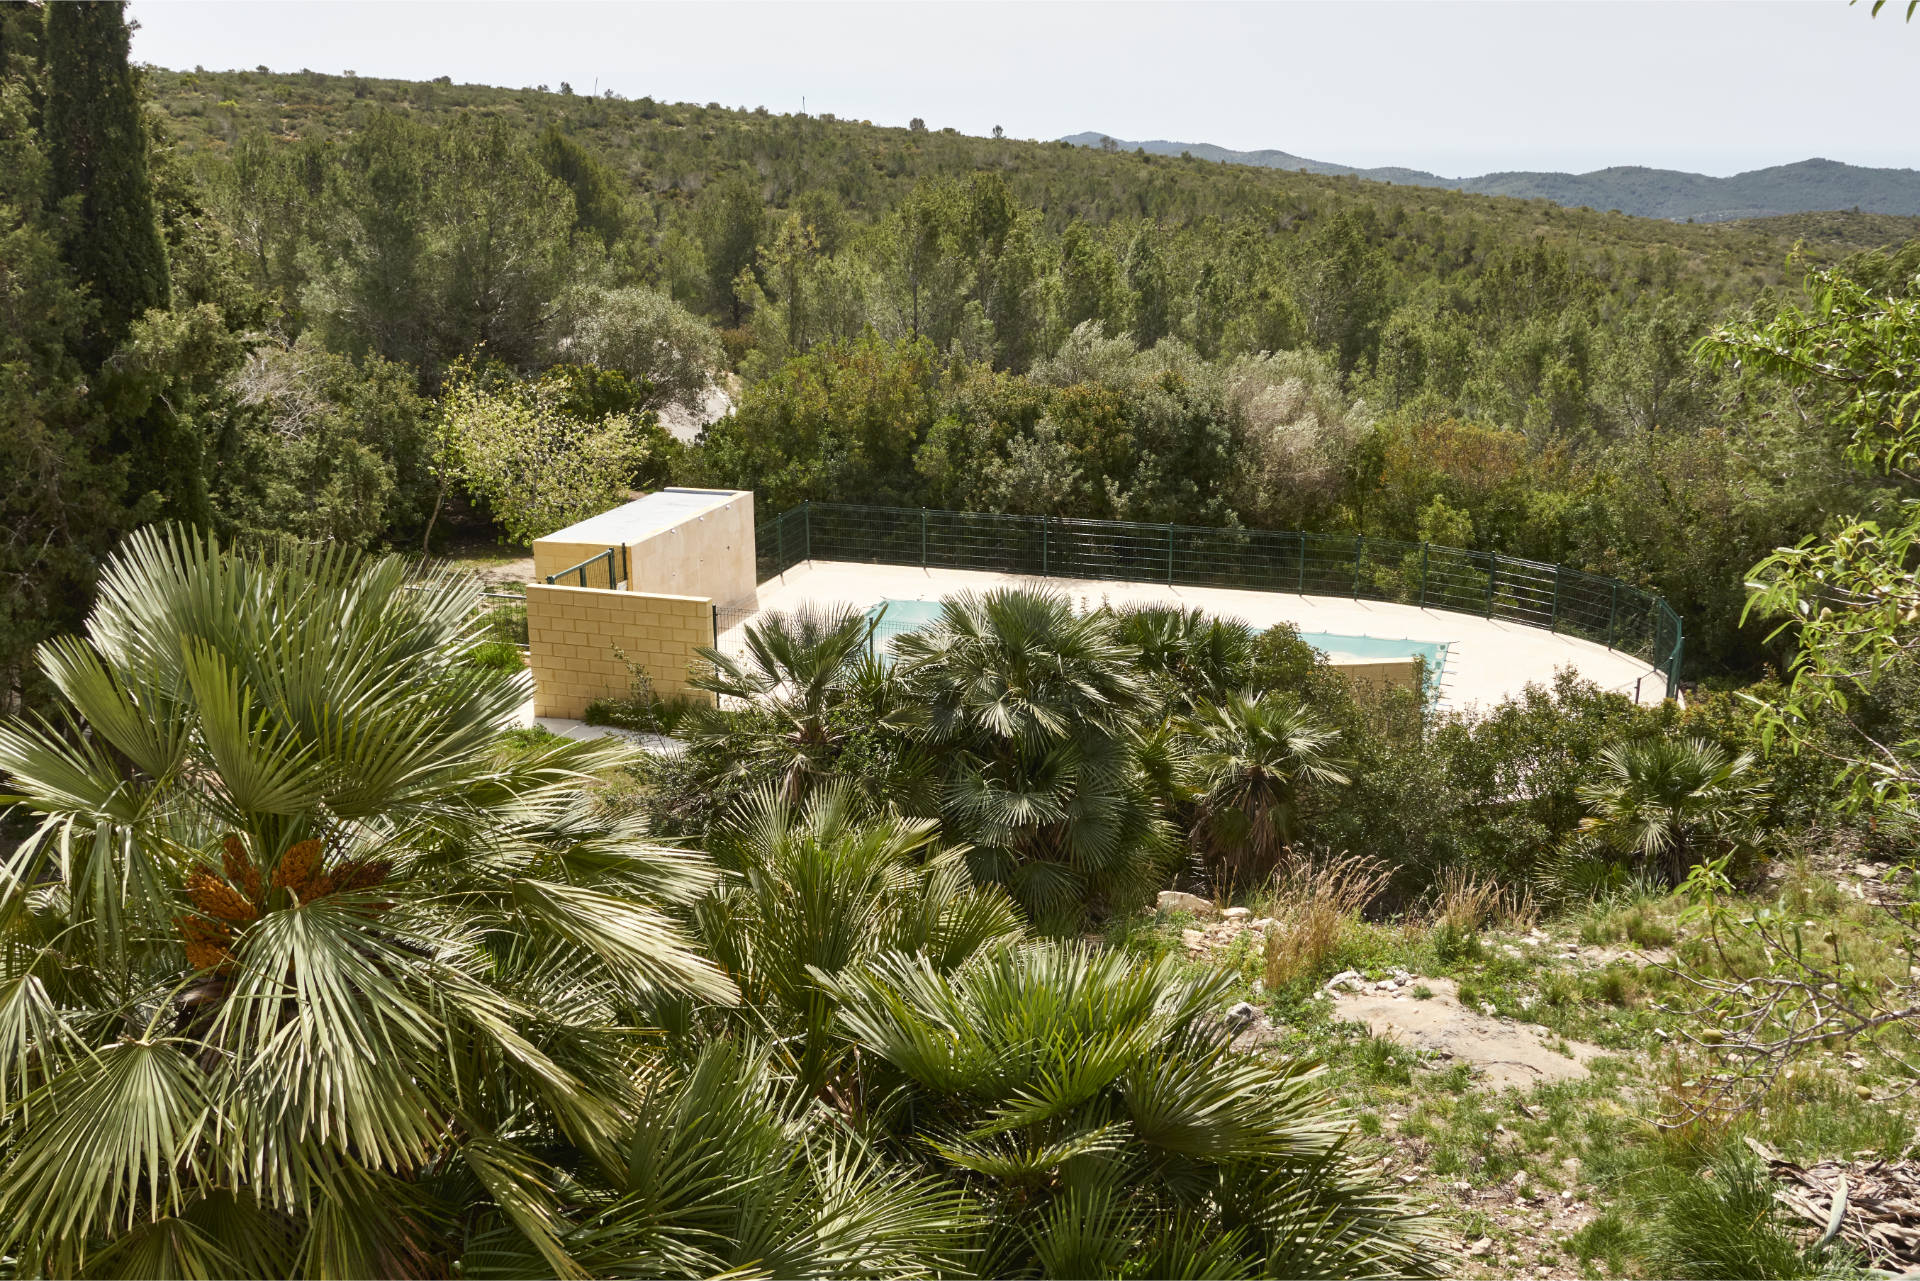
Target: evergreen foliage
{"points": [[96, 145]]}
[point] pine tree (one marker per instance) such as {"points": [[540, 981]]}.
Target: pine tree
{"points": [[97, 149]]}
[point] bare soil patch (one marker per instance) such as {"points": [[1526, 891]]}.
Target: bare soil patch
{"points": [[1502, 1053]]}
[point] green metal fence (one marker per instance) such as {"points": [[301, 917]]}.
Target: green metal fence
{"points": [[506, 617], [606, 569], [1563, 600]]}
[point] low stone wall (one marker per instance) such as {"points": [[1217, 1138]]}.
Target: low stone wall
{"points": [[1379, 673], [573, 633]]}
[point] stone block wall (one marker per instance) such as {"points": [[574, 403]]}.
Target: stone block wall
{"points": [[572, 634], [550, 557]]}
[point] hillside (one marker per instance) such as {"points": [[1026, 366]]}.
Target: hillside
{"points": [[1804, 187], [669, 152], [929, 319]]}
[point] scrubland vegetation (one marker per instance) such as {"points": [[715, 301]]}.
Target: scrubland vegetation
{"points": [[1045, 942]]}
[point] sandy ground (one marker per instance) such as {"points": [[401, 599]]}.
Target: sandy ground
{"points": [[1486, 660], [1502, 1053]]}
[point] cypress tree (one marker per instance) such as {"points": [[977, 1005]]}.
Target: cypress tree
{"points": [[22, 23], [60, 481], [97, 150], [96, 144]]}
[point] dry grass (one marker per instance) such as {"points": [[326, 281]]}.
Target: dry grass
{"points": [[1315, 902], [1465, 903]]}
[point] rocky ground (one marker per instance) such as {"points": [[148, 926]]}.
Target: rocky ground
{"points": [[1513, 1085]]}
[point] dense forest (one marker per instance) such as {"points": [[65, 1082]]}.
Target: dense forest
{"points": [[1042, 941], [908, 316]]}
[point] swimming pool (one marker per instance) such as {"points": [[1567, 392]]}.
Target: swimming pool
{"points": [[912, 615], [904, 615], [1435, 652], [1382, 647]]}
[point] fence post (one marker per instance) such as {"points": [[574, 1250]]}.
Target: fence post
{"points": [[806, 526], [1493, 576], [1169, 552], [1423, 574], [1613, 610], [1359, 550], [716, 625], [923, 538], [1045, 572], [1301, 586], [1673, 673], [1559, 572], [780, 542]]}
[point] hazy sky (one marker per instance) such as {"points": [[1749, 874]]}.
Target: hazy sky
{"points": [[1456, 88]]}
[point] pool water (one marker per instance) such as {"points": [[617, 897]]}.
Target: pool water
{"points": [[1435, 652], [905, 615]]}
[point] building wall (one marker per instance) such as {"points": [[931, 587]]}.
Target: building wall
{"points": [[572, 633], [710, 554], [706, 555], [550, 557]]}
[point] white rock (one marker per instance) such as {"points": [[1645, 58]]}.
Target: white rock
{"points": [[1179, 901], [1266, 923], [1237, 913], [1343, 978], [1243, 1012]]}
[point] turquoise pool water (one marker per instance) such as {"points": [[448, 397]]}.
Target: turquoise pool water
{"points": [[1435, 652], [905, 615]]}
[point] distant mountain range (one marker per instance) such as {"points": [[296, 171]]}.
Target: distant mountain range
{"points": [[1803, 187]]}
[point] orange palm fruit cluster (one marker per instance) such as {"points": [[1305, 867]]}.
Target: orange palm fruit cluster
{"points": [[299, 871], [208, 936], [239, 868], [229, 904]]}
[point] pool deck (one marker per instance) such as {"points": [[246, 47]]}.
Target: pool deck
{"points": [[1487, 660]]}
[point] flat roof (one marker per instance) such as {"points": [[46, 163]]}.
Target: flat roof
{"points": [[643, 517]]}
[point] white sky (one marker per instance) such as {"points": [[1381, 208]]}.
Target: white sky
{"points": [[1458, 87]]}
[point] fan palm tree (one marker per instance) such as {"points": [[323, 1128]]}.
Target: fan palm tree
{"points": [[815, 889], [300, 973], [729, 1172], [1669, 803], [1029, 709], [1248, 756], [1188, 652], [1094, 1107], [797, 669]]}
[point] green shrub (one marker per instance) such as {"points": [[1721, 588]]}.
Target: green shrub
{"points": [[1722, 1222], [646, 715], [497, 656]]}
